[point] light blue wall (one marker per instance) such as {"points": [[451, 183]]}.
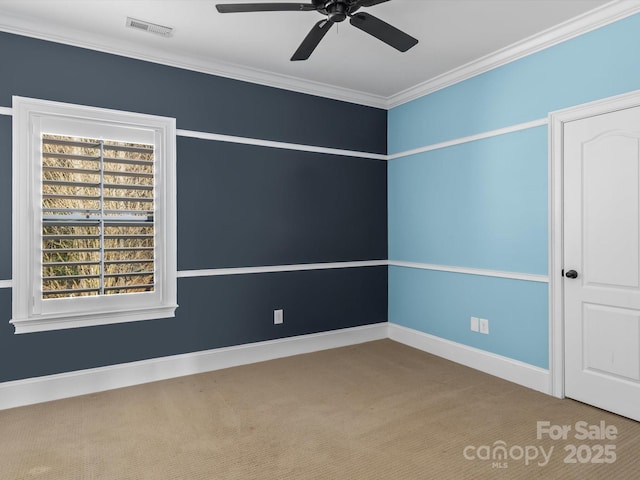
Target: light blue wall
{"points": [[596, 65], [484, 204], [481, 204], [434, 302]]}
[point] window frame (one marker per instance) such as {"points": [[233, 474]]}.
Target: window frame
{"points": [[31, 119]]}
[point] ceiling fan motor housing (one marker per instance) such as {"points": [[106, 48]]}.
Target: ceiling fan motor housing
{"points": [[336, 10]]}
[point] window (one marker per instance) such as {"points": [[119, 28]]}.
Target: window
{"points": [[94, 230]]}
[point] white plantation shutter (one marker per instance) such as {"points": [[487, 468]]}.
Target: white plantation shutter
{"points": [[94, 216], [97, 217]]}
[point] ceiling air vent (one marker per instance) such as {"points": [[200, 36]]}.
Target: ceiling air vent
{"points": [[149, 27]]}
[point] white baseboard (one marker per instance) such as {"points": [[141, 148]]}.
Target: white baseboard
{"points": [[506, 368], [54, 387]]}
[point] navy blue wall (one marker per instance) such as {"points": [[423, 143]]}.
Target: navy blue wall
{"points": [[273, 207], [5, 197], [238, 206], [38, 69]]}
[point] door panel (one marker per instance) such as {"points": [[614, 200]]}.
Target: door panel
{"points": [[610, 211], [611, 342], [602, 243]]}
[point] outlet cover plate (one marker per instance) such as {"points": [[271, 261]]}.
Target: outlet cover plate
{"points": [[484, 326], [475, 325]]}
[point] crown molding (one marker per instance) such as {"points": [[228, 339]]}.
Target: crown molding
{"points": [[27, 27], [591, 20], [599, 17]]}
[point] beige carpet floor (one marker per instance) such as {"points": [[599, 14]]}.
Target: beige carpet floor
{"points": [[379, 410]]}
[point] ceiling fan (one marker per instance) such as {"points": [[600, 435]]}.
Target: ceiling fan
{"points": [[335, 11]]}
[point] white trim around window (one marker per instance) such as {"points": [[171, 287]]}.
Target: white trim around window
{"points": [[32, 310]]}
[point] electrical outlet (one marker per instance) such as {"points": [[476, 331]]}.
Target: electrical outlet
{"points": [[278, 317], [475, 326], [484, 326]]}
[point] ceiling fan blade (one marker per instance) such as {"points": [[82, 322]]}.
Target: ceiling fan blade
{"points": [[371, 3], [357, 4], [383, 31], [312, 40], [264, 7]]}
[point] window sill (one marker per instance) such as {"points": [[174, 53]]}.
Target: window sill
{"points": [[42, 323]]}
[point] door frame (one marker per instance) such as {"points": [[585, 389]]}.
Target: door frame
{"points": [[556, 123]]}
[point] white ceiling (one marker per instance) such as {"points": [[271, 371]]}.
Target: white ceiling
{"points": [[347, 64]]}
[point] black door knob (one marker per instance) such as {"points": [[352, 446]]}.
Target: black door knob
{"points": [[571, 274]]}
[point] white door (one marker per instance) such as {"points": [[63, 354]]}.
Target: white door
{"points": [[602, 246]]}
